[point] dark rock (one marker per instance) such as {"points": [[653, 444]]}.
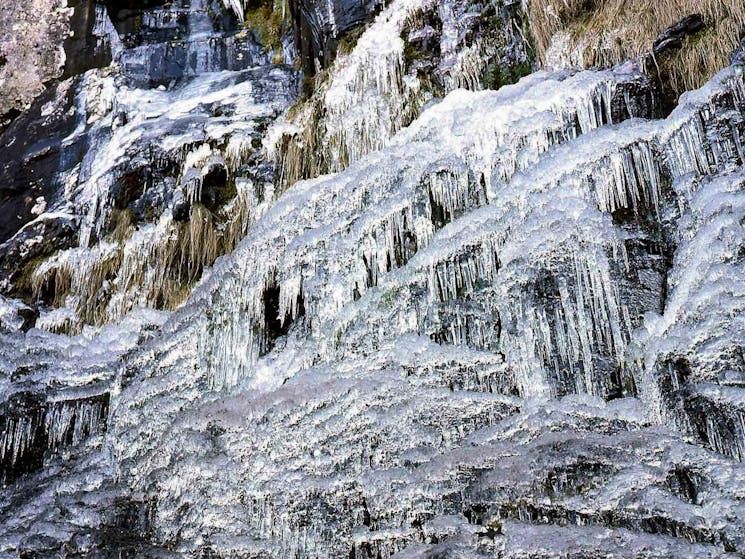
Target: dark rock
{"points": [[84, 50], [29, 316], [317, 36], [672, 37], [37, 416], [215, 187], [635, 99], [157, 54], [181, 207], [32, 155], [153, 202], [26, 409], [131, 185]]}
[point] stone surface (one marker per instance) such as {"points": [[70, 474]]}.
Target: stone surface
{"points": [[672, 37], [32, 36], [319, 25]]}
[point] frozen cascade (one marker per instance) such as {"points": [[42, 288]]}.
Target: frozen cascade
{"points": [[510, 329], [403, 221], [488, 249], [183, 91], [689, 335], [376, 90]]}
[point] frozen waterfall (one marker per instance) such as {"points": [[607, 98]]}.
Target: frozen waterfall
{"points": [[501, 323]]}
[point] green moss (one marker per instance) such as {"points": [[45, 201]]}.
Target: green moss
{"points": [[497, 75], [389, 298], [266, 20], [350, 38], [412, 54]]}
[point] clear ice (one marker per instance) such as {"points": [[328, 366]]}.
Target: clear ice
{"points": [[466, 340]]}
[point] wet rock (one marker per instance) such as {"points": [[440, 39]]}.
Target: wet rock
{"points": [[32, 154], [672, 37], [635, 98], [31, 425], [318, 25], [132, 184], [181, 207], [88, 45], [160, 45], [16, 315]]}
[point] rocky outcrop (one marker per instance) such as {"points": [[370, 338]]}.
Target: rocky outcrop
{"points": [[86, 168], [319, 25], [32, 36], [43, 41], [672, 37]]}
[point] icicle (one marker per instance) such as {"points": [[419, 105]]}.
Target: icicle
{"points": [[290, 297], [17, 437], [74, 421]]}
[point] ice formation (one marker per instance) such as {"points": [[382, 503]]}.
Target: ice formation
{"points": [[510, 328], [379, 87], [165, 109]]}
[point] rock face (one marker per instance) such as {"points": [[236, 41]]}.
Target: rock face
{"points": [[87, 166], [32, 35], [41, 43], [318, 26], [506, 324], [672, 37]]}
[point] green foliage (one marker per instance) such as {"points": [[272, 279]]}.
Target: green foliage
{"points": [[498, 75], [389, 297], [349, 40], [413, 53], [265, 19]]}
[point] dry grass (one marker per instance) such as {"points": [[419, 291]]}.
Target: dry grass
{"points": [[163, 274], [610, 31], [107, 283], [547, 17], [85, 278], [701, 57], [300, 156]]}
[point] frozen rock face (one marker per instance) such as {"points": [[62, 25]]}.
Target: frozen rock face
{"points": [[320, 24], [146, 171], [510, 331]]}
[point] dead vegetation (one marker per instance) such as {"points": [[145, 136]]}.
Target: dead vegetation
{"points": [[300, 155], [106, 281], [608, 32]]}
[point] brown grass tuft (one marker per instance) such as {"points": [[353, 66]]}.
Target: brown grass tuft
{"points": [[610, 31]]}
